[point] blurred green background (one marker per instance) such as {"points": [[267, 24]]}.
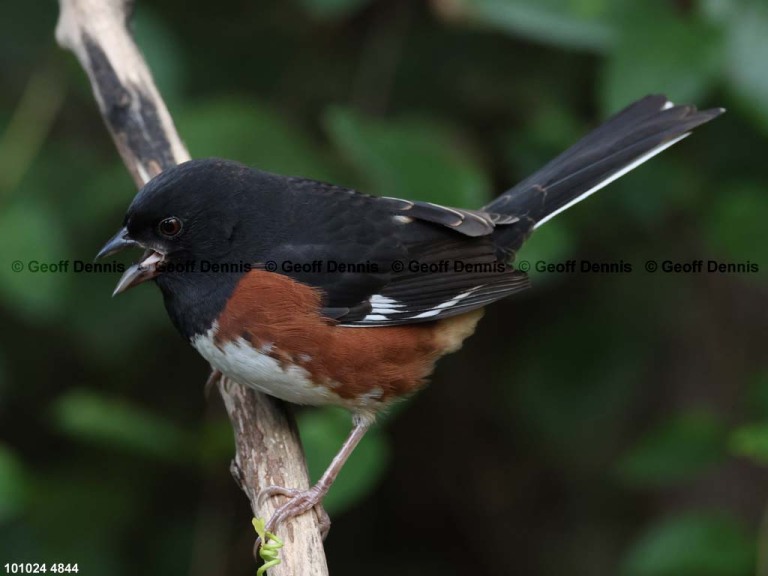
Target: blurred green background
{"points": [[596, 425]]}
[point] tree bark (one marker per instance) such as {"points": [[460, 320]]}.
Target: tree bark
{"points": [[268, 449]]}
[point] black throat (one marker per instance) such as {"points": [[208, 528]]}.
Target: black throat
{"points": [[194, 300]]}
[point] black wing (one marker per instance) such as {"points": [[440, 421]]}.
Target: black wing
{"points": [[439, 280], [386, 261]]}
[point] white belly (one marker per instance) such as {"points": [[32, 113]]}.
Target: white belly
{"points": [[248, 366]]}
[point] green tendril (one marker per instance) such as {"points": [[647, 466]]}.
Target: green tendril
{"points": [[270, 546]]}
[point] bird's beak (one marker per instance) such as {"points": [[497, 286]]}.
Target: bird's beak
{"points": [[118, 242], [147, 268]]}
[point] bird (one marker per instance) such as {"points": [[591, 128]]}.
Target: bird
{"points": [[318, 294]]}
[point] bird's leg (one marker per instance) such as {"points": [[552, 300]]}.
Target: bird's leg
{"points": [[300, 501]]}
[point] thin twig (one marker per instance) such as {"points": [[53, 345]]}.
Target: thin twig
{"points": [[268, 446]]}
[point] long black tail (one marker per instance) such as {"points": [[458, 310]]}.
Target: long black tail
{"points": [[625, 141]]}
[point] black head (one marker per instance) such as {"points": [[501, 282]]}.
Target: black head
{"points": [[208, 210], [199, 213]]}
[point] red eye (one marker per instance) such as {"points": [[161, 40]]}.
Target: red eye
{"points": [[170, 227]]}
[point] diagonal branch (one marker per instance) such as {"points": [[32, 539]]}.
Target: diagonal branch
{"points": [[268, 446]]}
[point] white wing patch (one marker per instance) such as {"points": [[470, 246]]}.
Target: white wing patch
{"points": [[383, 305], [444, 305], [382, 308]]}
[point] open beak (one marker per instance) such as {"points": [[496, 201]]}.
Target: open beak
{"points": [[147, 268]]}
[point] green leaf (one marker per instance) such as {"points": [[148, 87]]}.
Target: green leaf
{"points": [[115, 423], [747, 53], [30, 237], [576, 24], [333, 9], [696, 544], [254, 134], [323, 432], [675, 451], [661, 52], [411, 158], [13, 491], [751, 441]]}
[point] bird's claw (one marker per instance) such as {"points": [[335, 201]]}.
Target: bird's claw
{"points": [[271, 491], [299, 502]]}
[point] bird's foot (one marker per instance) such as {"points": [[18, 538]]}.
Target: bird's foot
{"points": [[299, 502]]}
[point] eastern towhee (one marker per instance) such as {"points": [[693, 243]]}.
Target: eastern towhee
{"points": [[318, 294]]}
